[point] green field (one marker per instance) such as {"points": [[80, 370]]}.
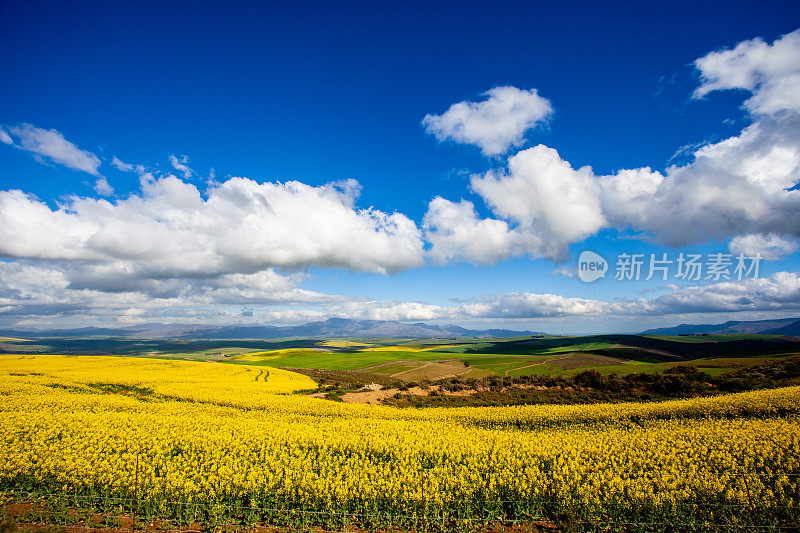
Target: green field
{"points": [[412, 360], [431, 359], [354, 360]]}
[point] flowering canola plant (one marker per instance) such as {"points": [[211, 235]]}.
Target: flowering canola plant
{"points": [[187, 437]]}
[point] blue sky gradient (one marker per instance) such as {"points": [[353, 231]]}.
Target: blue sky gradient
{"points": [[322, 92]]}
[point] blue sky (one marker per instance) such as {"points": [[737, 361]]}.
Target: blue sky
{"points": [[322, 93]]}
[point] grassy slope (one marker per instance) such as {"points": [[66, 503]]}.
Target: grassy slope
{"points": [[341, 360], [519, 356], [552, 356]]}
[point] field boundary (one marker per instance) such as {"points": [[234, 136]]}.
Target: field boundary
{"points": [[541, 522]]}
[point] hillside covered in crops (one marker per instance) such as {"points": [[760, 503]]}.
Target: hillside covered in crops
{"points": [[221, 445]]}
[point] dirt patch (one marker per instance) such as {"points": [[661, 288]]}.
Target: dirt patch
{"points": [[434, 370], [375, 396], [345, 379], [380, 365], [583, 359], [546, 361], [575, 360]]}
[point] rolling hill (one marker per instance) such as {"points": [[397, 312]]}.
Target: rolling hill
{"points": [[780, 326], [333, 327]]}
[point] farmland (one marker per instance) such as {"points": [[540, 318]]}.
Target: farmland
{"points": [[215, 443], [548, 355], [217, 433], [465, 371]]}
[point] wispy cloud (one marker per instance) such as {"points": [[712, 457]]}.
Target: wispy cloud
{"points": [[779, 292], [102, 187], [180, 164], [125, 167], [47, 293], [50, 145]]}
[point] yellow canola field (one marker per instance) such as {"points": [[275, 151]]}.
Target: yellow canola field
{"points": [[188, 380], [407, 348], [274, 354], [344, 344], [213, 435]]}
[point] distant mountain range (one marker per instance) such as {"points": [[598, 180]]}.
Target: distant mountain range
{"points": [[333, 327], [345, 327], [780, 326]]}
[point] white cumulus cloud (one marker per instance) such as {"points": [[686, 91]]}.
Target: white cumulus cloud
{"points": [[455, 232], [494, 124], [240, 226], [768, 246], [529, 305], [746, 184], [545, 198], [771, 72], [779, 292]]}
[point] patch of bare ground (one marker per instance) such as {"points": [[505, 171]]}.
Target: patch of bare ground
{"points": [[375, 396], [546, 361], [381, 365], [346, 379], [577, 360], [435, 370], [639, 353]]}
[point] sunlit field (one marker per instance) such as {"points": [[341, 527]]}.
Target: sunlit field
{"points": [[222, 444]]}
